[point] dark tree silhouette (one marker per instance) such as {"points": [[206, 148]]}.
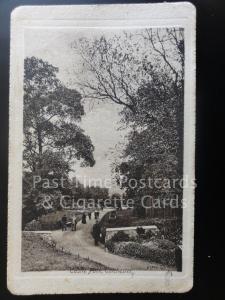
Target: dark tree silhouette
{"points": [[53, 139]]}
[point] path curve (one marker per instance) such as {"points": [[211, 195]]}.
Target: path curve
{"points": [[81, 243]]}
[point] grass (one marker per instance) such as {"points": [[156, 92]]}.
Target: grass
{"points": [[38, 256]]}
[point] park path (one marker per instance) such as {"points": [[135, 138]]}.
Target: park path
{"points": [[80, 242]]}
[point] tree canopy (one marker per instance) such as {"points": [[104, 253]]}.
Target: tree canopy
{"points": [[143, 72], [53, 139], [52, 112]]}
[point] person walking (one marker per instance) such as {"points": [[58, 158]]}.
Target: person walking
{"points": [[63, 222], [103, 235], [96, 213], [74, 223], [89, 215], [84, 219], [96, 232]]}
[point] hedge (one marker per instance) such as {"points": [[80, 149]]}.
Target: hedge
{"points": [[144, 251]]}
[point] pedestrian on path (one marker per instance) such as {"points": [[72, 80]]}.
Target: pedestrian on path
{"points": [[74, 223], [96, 214], [103, 235], [84, 219], [96, 232], [63, 223], [89, 215]]}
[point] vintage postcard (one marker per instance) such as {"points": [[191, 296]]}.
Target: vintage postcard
{"points": [[101, 157]]}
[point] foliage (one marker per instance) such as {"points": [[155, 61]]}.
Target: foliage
{"points": [[50, 220], [144, 251], [53, 140], [147, 82], [164, 244], [33, 226], [52, 137], [148, 234], [110, 245], [140, 230], [171, 229], [122, 219], [120, 236]]}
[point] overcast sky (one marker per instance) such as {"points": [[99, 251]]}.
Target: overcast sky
{"points": [[101, 121]]}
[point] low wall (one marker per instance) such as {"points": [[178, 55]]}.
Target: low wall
{"points": [[37, 231], [131, 231]]}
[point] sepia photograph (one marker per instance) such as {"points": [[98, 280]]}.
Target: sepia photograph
{"points": [[104, 148]]}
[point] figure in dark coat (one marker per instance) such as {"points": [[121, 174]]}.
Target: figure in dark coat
{"points": [[84, 219], [103, 235], [96, 213], [74, 223], [63, 222], [96, 232]]}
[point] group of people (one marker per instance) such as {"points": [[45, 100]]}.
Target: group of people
{"points": [[74, 220], [96, 216], [64, 223]]}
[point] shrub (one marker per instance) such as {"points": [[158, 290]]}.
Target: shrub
{"points": [[148, 234], [110, 245], [51, 225], [133, 249], [159, 255], [147, 251], [151, 244], [165, 244], [175, 235], [33, 225], [120, 236], [140, 230]]}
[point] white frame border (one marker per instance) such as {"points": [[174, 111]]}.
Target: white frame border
{"points": [[181, 14]]}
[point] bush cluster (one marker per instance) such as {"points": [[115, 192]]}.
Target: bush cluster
{"points": [[155, 250], [143, 251], [34, 225], [47, 239], [171, 229], [120, 236]]}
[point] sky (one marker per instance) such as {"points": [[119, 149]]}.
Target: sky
{"points": [[101, 121], [101, 124]]}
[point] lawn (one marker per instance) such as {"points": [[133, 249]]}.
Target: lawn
{"points": [[38, 256]]}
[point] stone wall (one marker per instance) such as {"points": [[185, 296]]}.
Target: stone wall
{"points": [[131, 231]]}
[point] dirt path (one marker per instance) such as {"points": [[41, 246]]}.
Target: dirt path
{"points": [[81, 242]]}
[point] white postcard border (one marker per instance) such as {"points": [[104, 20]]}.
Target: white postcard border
{"points": [[160, 15]]}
